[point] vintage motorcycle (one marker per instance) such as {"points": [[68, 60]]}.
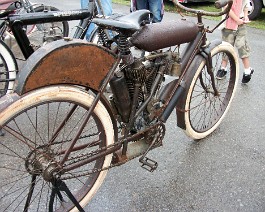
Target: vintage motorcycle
{"points": [[63, 131]]}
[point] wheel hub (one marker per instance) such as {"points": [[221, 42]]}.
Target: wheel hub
{"points": [[41, 162]]}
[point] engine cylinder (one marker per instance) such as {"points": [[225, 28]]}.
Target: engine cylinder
{"points": [[121, 96]]}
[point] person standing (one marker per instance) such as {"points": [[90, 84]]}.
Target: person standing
{"points": [[156, 7], [104, 8], [235, 33]]}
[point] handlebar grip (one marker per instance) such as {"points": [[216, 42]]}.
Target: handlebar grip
{"points": [[221, 3]]}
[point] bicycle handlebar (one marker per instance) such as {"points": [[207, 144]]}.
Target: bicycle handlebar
{"points": [[11, 8], [218, 4]]}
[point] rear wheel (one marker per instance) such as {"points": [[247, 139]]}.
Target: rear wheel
{"points": [[204, 110], [32, 149]]}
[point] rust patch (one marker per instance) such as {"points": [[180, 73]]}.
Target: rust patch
{"points": [[74, 62]]}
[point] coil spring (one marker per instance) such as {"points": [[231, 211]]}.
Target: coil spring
{"points": [[136, 74], [131, 89], [150, 79], [124, 48], [103, 38]]}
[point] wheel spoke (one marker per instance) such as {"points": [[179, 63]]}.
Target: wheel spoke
{"points": [[30, 162], [206, 106]]}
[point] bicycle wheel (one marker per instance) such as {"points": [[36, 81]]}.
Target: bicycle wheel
{"points": [[46, 32], [8, 69], [204, 111], [32, 148]]}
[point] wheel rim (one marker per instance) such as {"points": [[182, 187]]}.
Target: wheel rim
{"points": [[205, 108], [19, 159], [4, 76]]}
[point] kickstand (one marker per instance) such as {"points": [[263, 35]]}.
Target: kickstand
{"points": [[59, 186]]}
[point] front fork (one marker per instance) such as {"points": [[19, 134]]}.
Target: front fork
{"points": [[206, 53]]}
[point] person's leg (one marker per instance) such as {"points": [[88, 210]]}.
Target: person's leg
{"points": [[241, 44], [246, 63], [84, 5], [248, 71], [228, 36], [155, 6], [106, 6], [142, 4]]}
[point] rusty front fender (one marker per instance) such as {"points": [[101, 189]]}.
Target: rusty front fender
{"points": [[66, 62]]}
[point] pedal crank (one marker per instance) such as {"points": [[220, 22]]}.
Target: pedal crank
{"points": [[148, 164]]}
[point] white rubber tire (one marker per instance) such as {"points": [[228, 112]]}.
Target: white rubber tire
{"points": [[189, 129], [74, 94], [10, 62]]}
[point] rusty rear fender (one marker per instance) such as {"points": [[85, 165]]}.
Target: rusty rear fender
{"points": [[65, 62]]}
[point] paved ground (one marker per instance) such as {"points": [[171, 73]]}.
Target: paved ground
{"points": [[224, 172]]}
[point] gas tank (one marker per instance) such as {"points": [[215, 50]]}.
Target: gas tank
{"points": [[164, 34]]}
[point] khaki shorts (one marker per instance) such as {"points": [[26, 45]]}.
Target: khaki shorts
{"points": [[237, 38]]}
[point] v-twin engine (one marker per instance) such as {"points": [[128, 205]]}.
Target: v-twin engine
{"points": [[124, 84]]}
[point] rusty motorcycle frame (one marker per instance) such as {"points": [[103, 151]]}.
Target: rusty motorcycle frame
{"points": [[68, 131]]}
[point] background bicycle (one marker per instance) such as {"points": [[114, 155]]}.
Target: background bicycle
{"points": [[37, 33], [49, 32]]}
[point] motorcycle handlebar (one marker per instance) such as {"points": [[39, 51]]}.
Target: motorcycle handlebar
{"points": [[218, 4]]}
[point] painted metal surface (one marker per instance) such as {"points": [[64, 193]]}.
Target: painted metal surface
{"points": [[66, 62]]}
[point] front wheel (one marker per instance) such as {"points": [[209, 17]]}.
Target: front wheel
{"points": [[204, 109], [39, 128]]}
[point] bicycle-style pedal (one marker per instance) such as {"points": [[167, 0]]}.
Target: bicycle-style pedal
{"points": [[148, 164]]}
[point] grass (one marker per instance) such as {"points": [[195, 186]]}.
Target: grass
{"points": [[259, 23]]}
